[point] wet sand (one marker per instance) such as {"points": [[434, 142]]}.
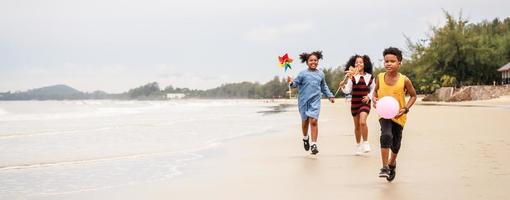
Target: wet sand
{"points": [[449, 151]]}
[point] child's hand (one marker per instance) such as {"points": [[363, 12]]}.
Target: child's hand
{"points": [[374, 100], [352, 72], [289, 79], [348, 75], [365, 100], [341, 84], [332, 99], [400, 112]]}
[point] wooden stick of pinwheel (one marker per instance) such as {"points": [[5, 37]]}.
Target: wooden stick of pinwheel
{"points": [[353, 71]]}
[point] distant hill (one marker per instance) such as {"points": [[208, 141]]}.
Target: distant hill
{"points": [[58, 90], [54, 92]]}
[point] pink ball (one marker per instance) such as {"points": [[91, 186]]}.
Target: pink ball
{"points": [[387, 107]]}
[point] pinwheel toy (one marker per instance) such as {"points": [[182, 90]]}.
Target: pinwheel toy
{"points": [[285, 61]]}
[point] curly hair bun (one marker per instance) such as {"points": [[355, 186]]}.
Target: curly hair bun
{"points": [[304, 56]]}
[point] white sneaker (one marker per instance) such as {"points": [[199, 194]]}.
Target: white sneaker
{"points": [[359, 149], [366, 147]]}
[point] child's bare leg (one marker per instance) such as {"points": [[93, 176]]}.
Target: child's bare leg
{"points": [[304, 126], [357, 132], [363, 125], [393, 159], [314, 129]]}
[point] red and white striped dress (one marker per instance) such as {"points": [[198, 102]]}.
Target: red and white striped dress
{"points": [[359, 90]]}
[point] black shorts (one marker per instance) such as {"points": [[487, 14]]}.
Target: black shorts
{"points": [[391, 134]]}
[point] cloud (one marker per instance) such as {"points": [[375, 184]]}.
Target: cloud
{"points": [[116, 45], [274, 33]]}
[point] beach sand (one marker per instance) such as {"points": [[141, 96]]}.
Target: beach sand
{"points": [[449, 151]]}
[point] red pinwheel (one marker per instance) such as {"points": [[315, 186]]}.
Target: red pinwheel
{"points": [[285, 61]]}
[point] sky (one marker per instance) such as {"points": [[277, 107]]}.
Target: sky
{"points": [[116, 45]]}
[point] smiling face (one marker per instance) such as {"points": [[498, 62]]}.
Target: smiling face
{"points": [[391, 63], [312, 62], [359, 64]]}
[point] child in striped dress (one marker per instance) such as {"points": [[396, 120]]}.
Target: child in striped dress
{"points": [[360, 83]]}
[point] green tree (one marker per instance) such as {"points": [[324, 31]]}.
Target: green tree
{"points": [[459, 53]]}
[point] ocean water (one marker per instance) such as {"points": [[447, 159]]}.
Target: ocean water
{"points": [[56, 147]]}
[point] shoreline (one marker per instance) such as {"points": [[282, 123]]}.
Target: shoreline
{"points": [[448, 152]]}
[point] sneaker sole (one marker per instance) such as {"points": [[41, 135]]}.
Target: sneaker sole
{"points": [[384, 176]]}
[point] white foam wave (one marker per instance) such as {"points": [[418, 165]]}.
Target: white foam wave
{"points": [[46, 133], [3, 112]]}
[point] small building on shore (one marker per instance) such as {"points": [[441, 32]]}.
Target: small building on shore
{"points": [[505, 73], [175, 95]]}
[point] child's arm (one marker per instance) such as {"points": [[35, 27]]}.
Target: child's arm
{"points": [[411, 91], [325, 90], [375, 95], [372, 90], [370, 93], [408, 85], [294, 82], [346, 89]]}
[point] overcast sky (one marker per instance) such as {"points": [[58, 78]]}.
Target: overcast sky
{"points": [[115, 45]]}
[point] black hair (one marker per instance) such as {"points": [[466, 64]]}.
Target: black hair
{"points": [[366, 63], [304, 56], [393, 51]]}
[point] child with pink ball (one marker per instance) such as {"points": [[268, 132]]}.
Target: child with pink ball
{"points": [[394, 84]]}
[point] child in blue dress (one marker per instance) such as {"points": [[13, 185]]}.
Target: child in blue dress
{"points": [[310, 83]]}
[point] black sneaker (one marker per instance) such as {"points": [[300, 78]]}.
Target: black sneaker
{"points": [[306, 143], [385, 172], [314, 149], [392, 172], [392, 167]]}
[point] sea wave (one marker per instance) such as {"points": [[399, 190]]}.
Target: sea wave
{"points": [[3, 112]]}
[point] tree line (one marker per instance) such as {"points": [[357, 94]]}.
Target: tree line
{"points": [[458, 54]]}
